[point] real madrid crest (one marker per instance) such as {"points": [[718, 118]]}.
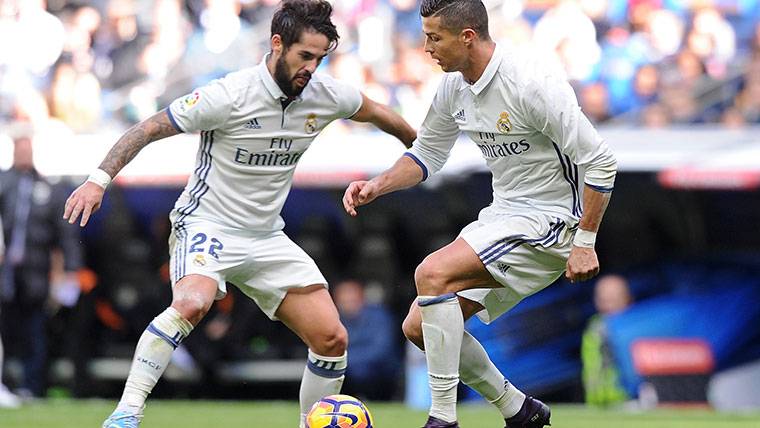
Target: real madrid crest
{"points": [[503, 124], [199, 260], [311, 123]]}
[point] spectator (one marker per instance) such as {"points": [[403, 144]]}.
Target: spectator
{"points": [[645, 84], [732, 118], [75, 97], [594, 101], [7, 398], [31, 210], [600, 374], [143, 62], [372, 351], [655, 116]]}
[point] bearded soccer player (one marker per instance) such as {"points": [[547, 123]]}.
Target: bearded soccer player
{"points": [[255, 125], [524, 117]]}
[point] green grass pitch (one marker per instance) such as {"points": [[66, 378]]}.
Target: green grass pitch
{"points": [[221, 414]]}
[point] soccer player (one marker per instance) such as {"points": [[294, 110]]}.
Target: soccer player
{"points": [[255, 125], [524, 117]]}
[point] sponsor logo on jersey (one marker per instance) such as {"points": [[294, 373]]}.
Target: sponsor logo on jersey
{"points": [[189, 101], [311, 123], [503, 124], [252, 124], [271, 158], [199, 260], [460, 116], [492, 148]]}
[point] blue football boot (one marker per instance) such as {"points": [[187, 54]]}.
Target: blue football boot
{"points": [[122, 419]]}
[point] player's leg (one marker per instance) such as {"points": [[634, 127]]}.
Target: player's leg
{"points": [[451, 269], [523, 255], [287, 285], [311, 314], [192, 297], [476, 369], [7, 398]]}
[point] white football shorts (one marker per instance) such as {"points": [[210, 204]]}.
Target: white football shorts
{"points": [[523, 253], [264, 266]]}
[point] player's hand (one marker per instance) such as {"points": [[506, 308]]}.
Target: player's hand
{"points": [[357, 194], [85, 200], [582, 264]]}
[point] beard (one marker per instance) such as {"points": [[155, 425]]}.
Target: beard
{"points": [[286, 83]]}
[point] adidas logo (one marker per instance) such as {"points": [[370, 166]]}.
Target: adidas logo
{"points": [[460, 115], [252, 124], [503, 268]]}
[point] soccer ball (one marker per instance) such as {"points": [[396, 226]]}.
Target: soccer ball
{"points": [[339, 411]]}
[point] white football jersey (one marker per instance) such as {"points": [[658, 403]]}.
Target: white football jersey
{"points": [[250, 144], [524, 117]]}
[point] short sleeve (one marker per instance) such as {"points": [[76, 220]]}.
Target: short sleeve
{"points": [[206, 108], [349, 100]]}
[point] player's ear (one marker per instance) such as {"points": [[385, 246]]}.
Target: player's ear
{"points": [[468, 36], [276, 43]]}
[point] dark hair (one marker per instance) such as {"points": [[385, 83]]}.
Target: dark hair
{"points": [[457, 15], [296, 16]]}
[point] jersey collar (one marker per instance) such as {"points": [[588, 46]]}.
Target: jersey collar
{"points": [[269, 83], [488, 73]]}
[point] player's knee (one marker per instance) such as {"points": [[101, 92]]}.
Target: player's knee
{"points": [[412, 329], [430, 278], [191, 308], [332, 342]]}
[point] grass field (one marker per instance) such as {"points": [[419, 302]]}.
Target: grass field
{"points": [[217, 414]]}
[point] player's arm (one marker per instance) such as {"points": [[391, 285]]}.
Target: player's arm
{"points": [[87, 198], [435, 139], [405, 173], [601, 169], [555, 111], [583, 263], [386, 120]]}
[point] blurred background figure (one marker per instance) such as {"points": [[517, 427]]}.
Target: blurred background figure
{"points": [[600, 373], [373, 351], [33, 227], [7, 398]]}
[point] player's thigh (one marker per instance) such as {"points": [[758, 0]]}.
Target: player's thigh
{"points": [[208, 250], [522, 254], [412, 325], [311, 314], [452, 268], [275, 267]]}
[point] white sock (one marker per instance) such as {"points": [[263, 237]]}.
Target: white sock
{"points": [[478, 372], [322, 376], [152, 355], [442, 330], [510, 401]]}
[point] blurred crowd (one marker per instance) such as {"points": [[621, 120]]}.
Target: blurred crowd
{"points": [[88, 65]]}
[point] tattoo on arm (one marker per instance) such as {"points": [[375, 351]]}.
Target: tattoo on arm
{"points": [[138, 136]]}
